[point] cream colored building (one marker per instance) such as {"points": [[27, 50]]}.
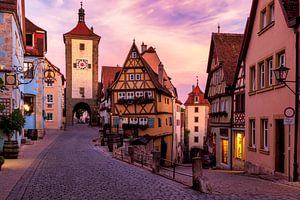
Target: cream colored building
{"points": [[54, 98], [196, 113]]}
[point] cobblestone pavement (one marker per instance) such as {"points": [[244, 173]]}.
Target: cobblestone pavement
{"points": [[71, 168]]}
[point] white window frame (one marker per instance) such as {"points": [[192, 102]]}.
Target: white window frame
{"points": [[139, 94], [252, 130], [51, 98], [149, 93], [134, 55], [272, 12], [137, 77], [50, 114], [253, 78], [130, 95], [265, 134], [196, 99], [121, 95], [143, 121], [270, 71], [49, 83], [281, 59], [131, 77], [263, 18], [262, 75]]}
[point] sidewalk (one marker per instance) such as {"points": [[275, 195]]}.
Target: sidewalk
{"points": [[13, 169]]}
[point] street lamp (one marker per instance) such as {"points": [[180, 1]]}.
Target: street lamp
{"points": [[281, 73]]}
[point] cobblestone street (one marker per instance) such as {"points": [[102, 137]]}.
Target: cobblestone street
{"points": [[72, 168]]}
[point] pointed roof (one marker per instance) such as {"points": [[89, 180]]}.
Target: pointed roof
{"points": [[191, 97], [56, 69], [227, 46], [31, 27], [108, 74], [152, 74], [81, 28]]}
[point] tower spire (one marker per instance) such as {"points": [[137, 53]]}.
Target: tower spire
{"points": [[197, 80], [219, 28], [81, 14]]}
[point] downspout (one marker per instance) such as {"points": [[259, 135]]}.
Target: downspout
{"points": [[231, 122], [295, 173], [173, 131]]}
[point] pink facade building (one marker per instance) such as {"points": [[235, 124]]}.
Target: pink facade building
{"points": [[271, 35]]}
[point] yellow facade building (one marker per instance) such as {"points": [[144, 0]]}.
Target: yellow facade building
{"points": [[142, 103]]}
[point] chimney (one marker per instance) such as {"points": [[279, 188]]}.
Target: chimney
{"points": [[144, 47], [92, 29], [161, 74]]}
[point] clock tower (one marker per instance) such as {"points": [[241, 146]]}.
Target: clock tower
{"points": [[81, 54]]}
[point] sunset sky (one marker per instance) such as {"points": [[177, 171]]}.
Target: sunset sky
{"points": [[180, 30]]}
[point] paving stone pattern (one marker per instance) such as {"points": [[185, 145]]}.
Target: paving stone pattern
{"points": [[71, 168]]}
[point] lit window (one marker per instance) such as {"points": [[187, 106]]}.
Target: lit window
{"points": [[239, 145], [224, 151]]}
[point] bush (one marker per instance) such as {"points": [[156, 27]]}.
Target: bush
{"points": [[14, 122], [2, 160]]}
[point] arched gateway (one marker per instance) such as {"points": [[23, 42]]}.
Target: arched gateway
{"points": [[81, 49]]}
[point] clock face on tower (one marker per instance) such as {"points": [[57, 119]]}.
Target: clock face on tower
{"points": [[81, 64]]}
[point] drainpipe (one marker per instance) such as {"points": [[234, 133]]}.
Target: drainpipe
{"points": [[231, 122], [295, 173]]}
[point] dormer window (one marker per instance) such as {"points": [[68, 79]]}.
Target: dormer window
{"points": [[134, 55], [196, 99], [29, 39]]}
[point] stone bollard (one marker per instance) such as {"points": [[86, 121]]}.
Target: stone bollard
{"points": [[131, 154], [156, 161], [199, 181]]}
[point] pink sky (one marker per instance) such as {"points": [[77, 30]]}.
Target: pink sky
{"points": [[180, 30]]}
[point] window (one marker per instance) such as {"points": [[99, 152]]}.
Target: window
{"points": [[131, 77], [49, 117], [148, 94], [139, 94], [137, 77], [252, 133], [196, 139], [121, 95], [222, 105], [281, 59], [252, 79], [143, 121], [28, 104], [159, 122], [81, 46], [263, 19], [264, 134], [29, 39], [262, 75], [196, 129], [226, 105], [196, 99], [196, 119], [166, 121], [159, 97], [239, 146], [133, 120], [134, 55], [151, 122], [81, 91], [49, 83], [272, 12], [196, 109], [170, 121], [240, 102], [270, 72], [168, 101], [224, 151], [130, 95], [49, 98], [28, 70]]}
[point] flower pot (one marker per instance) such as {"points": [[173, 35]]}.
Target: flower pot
{"points": [[11, 149]]}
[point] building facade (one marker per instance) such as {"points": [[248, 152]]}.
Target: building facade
{"points": [[12, 49], [54, 93], [81, 48], [196, 113], [142, 104], [266, 99], [222, 63], [36, 48]]}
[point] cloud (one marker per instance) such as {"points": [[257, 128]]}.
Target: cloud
{"points": [[180, 30]]}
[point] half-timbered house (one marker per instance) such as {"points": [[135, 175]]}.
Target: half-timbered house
{"points": [[142, 104], [222, 62]]}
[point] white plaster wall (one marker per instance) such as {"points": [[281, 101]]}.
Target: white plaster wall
{"points": [[82, 77]]}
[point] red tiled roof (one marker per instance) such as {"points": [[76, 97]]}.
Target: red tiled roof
{"points": [[196, 92], [81, 29], [227, 47], [290, 10], [31, 27], [108, 75]]}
